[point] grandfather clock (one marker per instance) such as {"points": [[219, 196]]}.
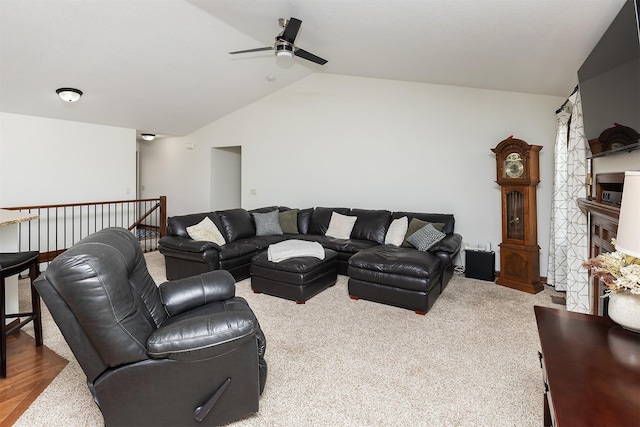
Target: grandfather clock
{"points": [[518, 174]]}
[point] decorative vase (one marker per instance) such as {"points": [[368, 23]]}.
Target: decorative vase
{"points": [[624, 309]]}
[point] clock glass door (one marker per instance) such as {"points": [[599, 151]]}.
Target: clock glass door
{"points": [[515, 215]]}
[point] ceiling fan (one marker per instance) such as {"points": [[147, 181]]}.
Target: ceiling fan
{"points": [[284, 44]]}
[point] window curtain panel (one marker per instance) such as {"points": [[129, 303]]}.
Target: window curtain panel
{"points": [[568, 243], [557, 267]]}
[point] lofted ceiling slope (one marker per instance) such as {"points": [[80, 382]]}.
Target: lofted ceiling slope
{"points": [[163, 66]]}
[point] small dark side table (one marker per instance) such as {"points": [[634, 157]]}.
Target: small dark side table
{"points": [[591, 370]]}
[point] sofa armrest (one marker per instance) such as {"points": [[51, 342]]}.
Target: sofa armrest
{"points": [[187, 245], [203, 337], [183, 294], [451, 244]]}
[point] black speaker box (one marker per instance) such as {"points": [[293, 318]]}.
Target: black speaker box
{"points": [[480, 265]]}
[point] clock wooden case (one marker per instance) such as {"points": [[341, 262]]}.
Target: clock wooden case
{"points": [[518, 174]]}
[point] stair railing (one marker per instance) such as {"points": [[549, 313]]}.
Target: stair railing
{"points": [[58, 227]]}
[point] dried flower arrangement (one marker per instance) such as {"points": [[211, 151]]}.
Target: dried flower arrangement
{"points": [[617, 270]]}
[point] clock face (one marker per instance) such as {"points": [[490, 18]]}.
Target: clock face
{"points": [[513, 166]]}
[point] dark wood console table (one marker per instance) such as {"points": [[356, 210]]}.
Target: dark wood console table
{"points": [[591, 370]]}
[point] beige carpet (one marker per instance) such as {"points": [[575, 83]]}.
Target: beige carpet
{"points": [[471, 361]]}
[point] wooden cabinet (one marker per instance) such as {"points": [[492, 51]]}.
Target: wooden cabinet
{"points": [[591, 370], [603, 226]]}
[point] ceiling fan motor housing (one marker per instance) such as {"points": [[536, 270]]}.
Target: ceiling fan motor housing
{"points": [[283, 48]]}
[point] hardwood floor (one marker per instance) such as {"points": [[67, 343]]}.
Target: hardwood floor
{"points": [[30, 370]]}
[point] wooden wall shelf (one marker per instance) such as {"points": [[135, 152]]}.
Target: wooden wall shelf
{"points": [[602, 209]]}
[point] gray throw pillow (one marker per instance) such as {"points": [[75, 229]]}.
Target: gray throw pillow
{"points": [[267, 224], [415, 225], [426, 237], [289, 221]]}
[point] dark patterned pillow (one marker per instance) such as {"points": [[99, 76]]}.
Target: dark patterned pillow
{"points": [[426, 237], [267, 224], [415, 225]]}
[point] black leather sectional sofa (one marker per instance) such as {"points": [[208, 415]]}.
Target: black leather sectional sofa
{"points": [[401, 276]]}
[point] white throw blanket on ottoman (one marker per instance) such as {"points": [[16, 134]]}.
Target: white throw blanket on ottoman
{"points": [[294, 248]]}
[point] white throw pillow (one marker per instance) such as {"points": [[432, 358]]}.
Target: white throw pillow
{"points": [[340, 226], [396, 232], [206, 231]]}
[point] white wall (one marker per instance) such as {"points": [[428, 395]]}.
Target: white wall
{"points": [[330, 140], [47, 161]]}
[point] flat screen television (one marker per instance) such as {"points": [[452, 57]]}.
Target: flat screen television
{"points": [[609, 79]]}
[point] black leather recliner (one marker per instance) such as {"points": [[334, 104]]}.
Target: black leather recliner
{"points": [[188, 352]]}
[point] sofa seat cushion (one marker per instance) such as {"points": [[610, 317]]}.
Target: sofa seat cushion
{"points": [[349, 246], [395, 261], [262, 242], [237, 249]]}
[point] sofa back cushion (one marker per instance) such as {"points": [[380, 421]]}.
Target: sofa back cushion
{"points": [[371, 224], [304, 219], [177, 225], [446, 219], [269, 209], [236, 224], [321, 217]]}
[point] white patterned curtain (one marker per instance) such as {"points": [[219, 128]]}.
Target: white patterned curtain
{"points": [[568, 243], [557, 268]]}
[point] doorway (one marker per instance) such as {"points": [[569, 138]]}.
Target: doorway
{"points": [[226, 178]]}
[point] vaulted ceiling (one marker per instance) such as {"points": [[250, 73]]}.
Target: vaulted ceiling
{"points": [[163, 66]]}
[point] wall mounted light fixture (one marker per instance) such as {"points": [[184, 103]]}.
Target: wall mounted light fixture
{"points": [[148, 136], [69, 94]]}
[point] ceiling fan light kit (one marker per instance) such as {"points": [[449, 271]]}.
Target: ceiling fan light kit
{"points": [[284, 45], [69, 94], [284, 50]]}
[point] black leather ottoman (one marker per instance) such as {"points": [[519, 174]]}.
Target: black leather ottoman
{"points": [[297, 279], [398, 276]]}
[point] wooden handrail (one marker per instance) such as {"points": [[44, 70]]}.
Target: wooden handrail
{"points": [[67, 205]]}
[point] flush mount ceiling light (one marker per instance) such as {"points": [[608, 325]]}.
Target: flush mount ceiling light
{"points": [[148, 136], [69, 94]]}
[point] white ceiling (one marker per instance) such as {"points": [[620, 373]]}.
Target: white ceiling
{"points": [[163, 66]]}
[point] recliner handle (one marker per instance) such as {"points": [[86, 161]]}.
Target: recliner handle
{"points": [[202, 411]]}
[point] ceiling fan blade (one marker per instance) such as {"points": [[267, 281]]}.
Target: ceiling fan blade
{"points": [[291, 31], [309, 56], [259, 49]]}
